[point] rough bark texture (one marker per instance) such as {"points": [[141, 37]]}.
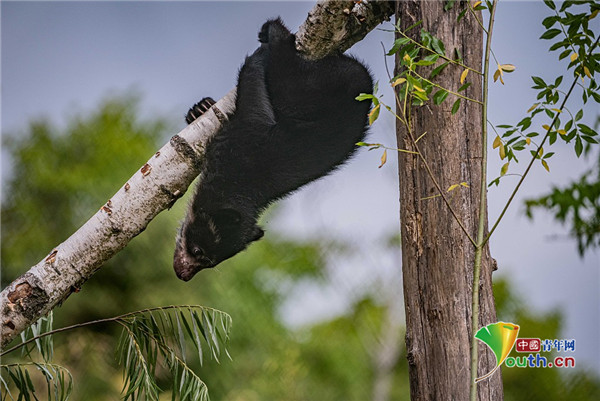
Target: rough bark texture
{"points": [[334, 26], [437, 257], [154, 188]]}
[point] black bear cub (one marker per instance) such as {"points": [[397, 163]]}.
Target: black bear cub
{"points": [[295, 121]]}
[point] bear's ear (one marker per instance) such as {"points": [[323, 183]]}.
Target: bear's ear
{"points": [[257, 234], [227, 217]]}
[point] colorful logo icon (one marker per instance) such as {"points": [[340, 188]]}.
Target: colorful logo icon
{"points": [[500, 337]]}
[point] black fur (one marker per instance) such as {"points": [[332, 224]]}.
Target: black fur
{"points": [[295, 121]]}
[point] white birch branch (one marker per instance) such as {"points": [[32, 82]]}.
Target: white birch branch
{"points": [[330, 26]]}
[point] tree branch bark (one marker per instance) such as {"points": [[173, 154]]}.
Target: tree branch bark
{"points": [[156, 186]]}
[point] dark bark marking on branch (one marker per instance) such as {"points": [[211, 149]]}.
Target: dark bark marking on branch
{"points": [[52, 257], [22, 290], [220, 115], [27, 296], [146, 169], [182, 147], [173, 196]]}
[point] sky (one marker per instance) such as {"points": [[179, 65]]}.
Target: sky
{"points": [[60, 59]]}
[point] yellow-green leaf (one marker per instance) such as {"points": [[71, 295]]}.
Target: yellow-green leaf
{"points": [[540, 152], [418, 88], [497, 74], [546, 127], [398, 82], [507, 67], [476, 4], [407, 58], [573, 56], [463, 76], [594, 14], [504, 169], [502, 151], [587, 70], [545, 165], [452, 187], [374, 114], [528, 141], [533, 107], [562, 132], [383, 158], [464, 184], [497, 142], [557, 110]]}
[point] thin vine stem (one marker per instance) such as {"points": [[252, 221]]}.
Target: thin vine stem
{"points": [[482, 211], [478, 20]]}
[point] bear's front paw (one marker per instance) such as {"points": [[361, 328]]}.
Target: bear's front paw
{"points": [[198, 109]]}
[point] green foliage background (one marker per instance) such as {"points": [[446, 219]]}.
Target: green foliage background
{"points": [[61, 177]]}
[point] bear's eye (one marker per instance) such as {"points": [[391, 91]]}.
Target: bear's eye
{"points": [[198, 252]]}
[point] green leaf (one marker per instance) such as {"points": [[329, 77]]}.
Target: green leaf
{"points": [[589, 139], [550, 4], [550, 33], [425, 62], [374, 114], [398, 43], [524, 123], [456, 106], [578, 146], [520, 144], [464, 86], [437, 70], [564, 54], [549, 21], [539, 82], [558, 45], [420, 95], [557, 81], [416, 24], [586, 130], [440, 96], [438, 46], [495, 182], [364, 96]]}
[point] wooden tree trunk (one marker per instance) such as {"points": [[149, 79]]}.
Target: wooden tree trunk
{"points": [[437, 257]]}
